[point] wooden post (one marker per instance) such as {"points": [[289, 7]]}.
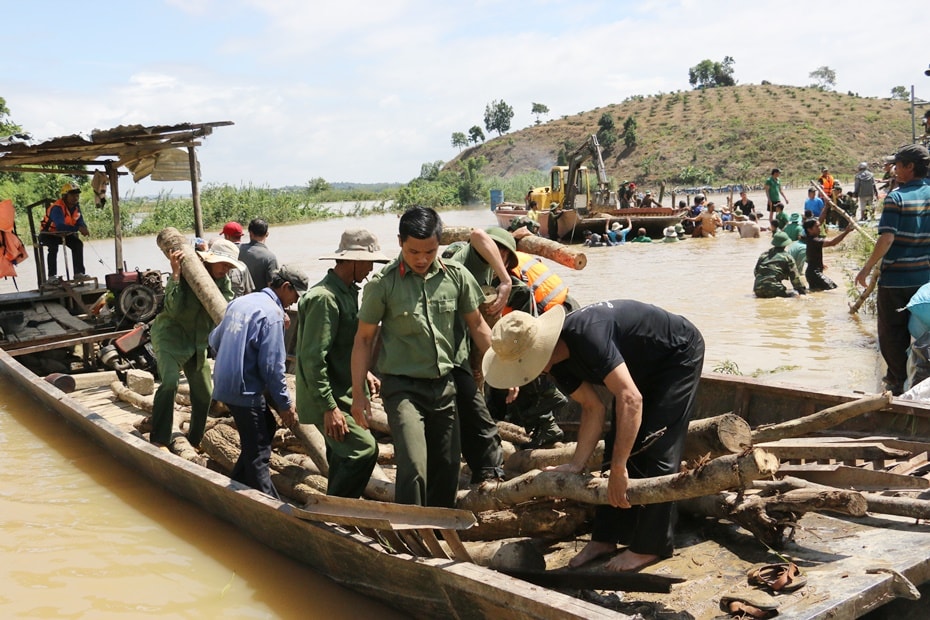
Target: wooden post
{"points": [[194, 272], [195, 191], [113, 175]]}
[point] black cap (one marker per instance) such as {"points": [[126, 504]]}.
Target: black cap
{"points": [[913, 153]]}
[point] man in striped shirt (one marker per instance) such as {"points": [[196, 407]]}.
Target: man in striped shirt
{"points": [[903, 251]]}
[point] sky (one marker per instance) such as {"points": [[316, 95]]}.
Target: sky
{"points": [[369, 90]]}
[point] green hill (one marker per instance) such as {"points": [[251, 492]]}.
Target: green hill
{"points": [[718, 136]]}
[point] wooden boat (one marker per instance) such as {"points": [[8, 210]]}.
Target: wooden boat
{"points": [[392, 552], [572, 224]]}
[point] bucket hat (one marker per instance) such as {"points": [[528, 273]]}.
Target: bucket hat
{"points": [[222, 251], [521, 346], [781, 240], [358, 244]]}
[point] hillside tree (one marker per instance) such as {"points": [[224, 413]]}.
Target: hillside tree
{"points": [[629, 132], [459, 140], [824, 78], [317, 185], [606, 133], [900, 93], [539, 109], [710, 74], [475, 134], [497, 117]]}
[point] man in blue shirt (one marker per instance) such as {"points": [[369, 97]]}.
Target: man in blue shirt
{"points": [[903, 253], [250, 360], [814, 204]]}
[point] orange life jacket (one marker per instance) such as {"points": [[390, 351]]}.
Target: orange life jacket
{"points": [[826, 181], [548, 289], [71, 217]]}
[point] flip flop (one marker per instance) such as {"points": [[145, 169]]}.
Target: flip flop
{"points": [[744, 609], [781, 577]]}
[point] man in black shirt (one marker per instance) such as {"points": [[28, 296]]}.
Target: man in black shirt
{"points": [[816, 280], [650, 360]]}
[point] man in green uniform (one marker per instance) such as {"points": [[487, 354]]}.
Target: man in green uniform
{"points": [[774, 193], [327, 318], [179, 337], [417, 299], [775, 265]]}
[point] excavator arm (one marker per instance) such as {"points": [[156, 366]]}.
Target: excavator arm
{"points": [[591, 149]]}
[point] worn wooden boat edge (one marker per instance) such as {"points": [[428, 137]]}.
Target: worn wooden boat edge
{"points": [[422, 587]]}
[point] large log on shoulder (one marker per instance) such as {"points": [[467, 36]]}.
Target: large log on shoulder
{"points": [[196, 275], [726, 472], [571, 257], [822, 420]]}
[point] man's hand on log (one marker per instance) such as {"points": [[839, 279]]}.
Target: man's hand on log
{"points": [[503, 295], [617, 485], [361, 410], [334, 424], [176, 258], [289, 416]]}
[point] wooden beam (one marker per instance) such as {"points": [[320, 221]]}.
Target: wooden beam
{"points": [[844, 477], [63, 344]]}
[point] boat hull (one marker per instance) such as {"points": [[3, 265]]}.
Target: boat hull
{"points": [[572, 226]]}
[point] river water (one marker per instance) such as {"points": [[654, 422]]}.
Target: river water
{"points": [[84, 537]]}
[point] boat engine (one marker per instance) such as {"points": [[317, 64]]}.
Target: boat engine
{"points": [[137, 295], [131, 350]]}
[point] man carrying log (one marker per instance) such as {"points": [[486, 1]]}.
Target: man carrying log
{"points": [[650, 360], [250, 360], [179, 336], [326, 324]]}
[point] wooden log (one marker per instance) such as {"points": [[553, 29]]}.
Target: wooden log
{"points": [[513, 433], [547, 519], [725, 472], [903, 506], [828, 201], [314, 443], [509, 553], [194, 272], [723, 434], [772, 520], [821, 420], [87, 380], [845, 477], [571, 257], [128, 396]]}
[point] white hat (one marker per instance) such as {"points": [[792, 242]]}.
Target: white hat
{"points": [[615, 226], [521, 346], [223, 251], [358, 244]]}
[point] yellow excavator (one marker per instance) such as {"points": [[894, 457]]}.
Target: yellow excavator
{"points": [[570, 186]]}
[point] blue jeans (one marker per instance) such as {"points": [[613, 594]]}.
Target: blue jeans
{"points": [[256, 426]]}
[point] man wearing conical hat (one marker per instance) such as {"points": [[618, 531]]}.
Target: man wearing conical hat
{"points": [[327, 319], [650, 361]]}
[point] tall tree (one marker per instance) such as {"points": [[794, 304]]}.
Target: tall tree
{"points": [[459, 140], [709, 74], [824, 78], [606, 133], [539, 109], [497, 117], [629, 132], [7, 127], [475, 134], [900, 93]]}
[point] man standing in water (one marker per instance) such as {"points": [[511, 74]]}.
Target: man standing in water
{"points": [[903, 251], [650, 360]]}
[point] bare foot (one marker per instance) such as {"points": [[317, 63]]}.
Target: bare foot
{"points": [[592, 551], [630, 561]]}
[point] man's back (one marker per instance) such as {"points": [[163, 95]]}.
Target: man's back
{"points": [[261, 262]]}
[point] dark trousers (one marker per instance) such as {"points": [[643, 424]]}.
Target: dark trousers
{"points": [[893, 335], [817, 281], [74, 244], [427, 446], [668, 401], [481, 443], [256, 426]]}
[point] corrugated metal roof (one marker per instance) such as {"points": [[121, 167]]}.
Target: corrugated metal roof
{"points": [[142, 150]]}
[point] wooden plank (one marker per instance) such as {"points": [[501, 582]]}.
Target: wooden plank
{"points": [[429, 539], [587, 579], [455, 544], [66, 319], [413, 543], [382, 515], [59, 343], [788, 451], [845, 477]]}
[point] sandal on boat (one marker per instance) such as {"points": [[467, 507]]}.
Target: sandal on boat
{"points": [[782, 577], [743, 609]]}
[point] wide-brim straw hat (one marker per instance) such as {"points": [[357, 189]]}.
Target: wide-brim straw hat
{"points": [[223, 251], [521, 346], [358, 244]]}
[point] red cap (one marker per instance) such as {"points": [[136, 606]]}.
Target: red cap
{"points": [[232, 231]]}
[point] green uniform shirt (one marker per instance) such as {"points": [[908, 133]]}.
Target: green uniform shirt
{"points": [[417, 315], [467, 255], [181, 329], [773, 189], [327, 319], [773, 266]]}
